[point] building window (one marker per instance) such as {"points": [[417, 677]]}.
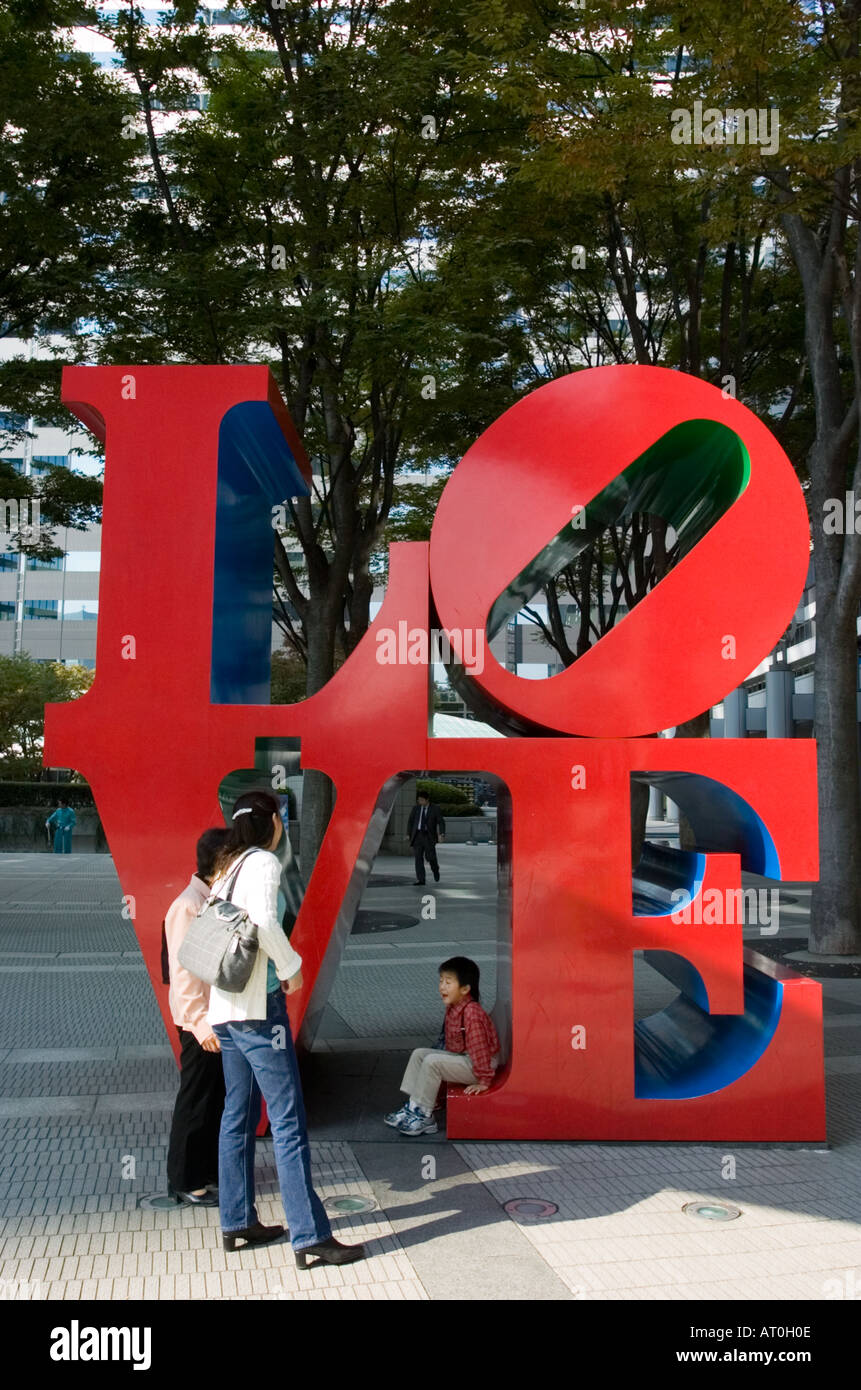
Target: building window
{"points": [[76, 609], [39, 466], [7, 612], [192, 101], [8, 560], [56, 563], [86, 661], [40, 608], [83, 562]]}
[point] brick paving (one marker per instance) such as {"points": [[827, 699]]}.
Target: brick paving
{"points": [[86, 1090]]}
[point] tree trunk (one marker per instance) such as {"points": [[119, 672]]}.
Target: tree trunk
{"points": [[835, 923], [318, 794], [639, 812], [836, 904]]}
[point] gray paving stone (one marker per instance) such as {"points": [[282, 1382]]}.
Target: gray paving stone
{"points": [[46, 1105], [55, 1055], [138, 1100], [87, 1076], [443, 1223]]}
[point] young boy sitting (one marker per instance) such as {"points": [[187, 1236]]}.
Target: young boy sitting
{"points": [[467, 1050]]}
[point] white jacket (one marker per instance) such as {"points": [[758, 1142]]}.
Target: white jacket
{"points": [[256, 889]]}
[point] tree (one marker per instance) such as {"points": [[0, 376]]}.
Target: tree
{"points": [[818, 182], [26, 686], [703, 248], [626, 261], [299, 218], [64, 182], [798, 65], [52, 496]]}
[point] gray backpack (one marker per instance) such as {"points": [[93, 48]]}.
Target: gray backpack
{"points": [[220, 946]]}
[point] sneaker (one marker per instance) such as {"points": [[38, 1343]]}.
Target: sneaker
{"points": [[395, 1118], [417, 1122]]}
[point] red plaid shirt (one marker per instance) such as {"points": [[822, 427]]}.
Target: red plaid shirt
{"points": [[469, 1029]]}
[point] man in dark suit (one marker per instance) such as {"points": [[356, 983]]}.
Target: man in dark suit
{"points": [[424, 828]]}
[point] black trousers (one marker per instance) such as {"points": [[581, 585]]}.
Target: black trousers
{"points": [[192, 1155], [423, 846]]}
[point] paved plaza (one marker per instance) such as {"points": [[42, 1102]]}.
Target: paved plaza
{"points": [[87, 1082]]}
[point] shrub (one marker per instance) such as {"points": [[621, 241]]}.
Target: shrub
{"points": [[442, 793], [45, 793]]}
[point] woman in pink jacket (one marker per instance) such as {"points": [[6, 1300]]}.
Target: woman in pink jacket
{"points": [[192, 1154]]}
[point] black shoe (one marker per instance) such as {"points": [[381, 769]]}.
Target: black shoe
{"points": [[252, 1235], [329, 1252], [418, 883], [191, 1199], [436, 876]]}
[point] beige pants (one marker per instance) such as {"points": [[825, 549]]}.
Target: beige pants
{"points": [[426, 1071]]}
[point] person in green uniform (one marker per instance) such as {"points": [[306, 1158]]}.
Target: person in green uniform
{"points": [[63, 821]]}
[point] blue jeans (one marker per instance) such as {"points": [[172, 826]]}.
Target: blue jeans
{"points": [[259, 1056]]}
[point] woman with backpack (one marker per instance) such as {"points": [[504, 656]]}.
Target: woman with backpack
{"points": [[257, 1051]]}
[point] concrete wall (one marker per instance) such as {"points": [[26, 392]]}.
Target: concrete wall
{"points": [[458, 829], [23, 828]]}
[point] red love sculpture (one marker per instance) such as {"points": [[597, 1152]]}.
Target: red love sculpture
{"points": [[195, 459]]}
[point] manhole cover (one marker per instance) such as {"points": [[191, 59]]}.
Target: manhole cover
{"points": [[159, 1201], [347, 1205], [530, 1208], [367, 921], [711, 1211]]}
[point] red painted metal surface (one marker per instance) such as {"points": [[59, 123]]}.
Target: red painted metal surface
{"points": [[155, 748], [556, 450]]}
